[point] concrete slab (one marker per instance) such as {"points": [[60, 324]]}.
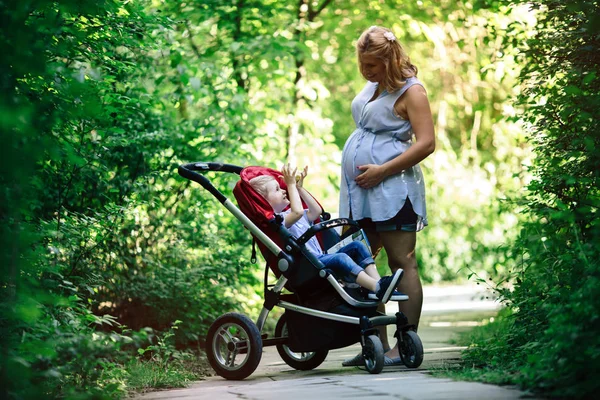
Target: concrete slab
{"points": [[274, 380]]}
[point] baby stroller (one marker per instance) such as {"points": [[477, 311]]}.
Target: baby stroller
{"points": [[320, 313]]}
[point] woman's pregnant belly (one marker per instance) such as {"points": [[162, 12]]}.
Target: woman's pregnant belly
{"points": [[356, 153]]}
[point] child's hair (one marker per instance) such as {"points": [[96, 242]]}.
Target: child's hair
{"points": [[381, 43], [259, 184]]}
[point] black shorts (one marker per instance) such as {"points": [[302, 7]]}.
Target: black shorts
{"points": [[405, 220]]}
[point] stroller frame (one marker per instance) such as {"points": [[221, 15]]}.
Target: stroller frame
{"points": [[234, 342]]}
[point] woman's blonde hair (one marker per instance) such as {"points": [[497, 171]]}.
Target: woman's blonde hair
{"points": [[259, 184], [382, 44]]}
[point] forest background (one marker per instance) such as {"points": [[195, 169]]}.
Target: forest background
{"points": [[113, 266]]}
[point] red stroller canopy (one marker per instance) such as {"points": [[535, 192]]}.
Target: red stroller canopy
{"points": [[258, 209]]}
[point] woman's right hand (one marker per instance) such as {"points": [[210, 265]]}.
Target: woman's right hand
{"points": [[371, 176]]}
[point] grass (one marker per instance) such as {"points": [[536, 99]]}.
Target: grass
{"points": [[479, 361], [462, 372], [147, 375]]}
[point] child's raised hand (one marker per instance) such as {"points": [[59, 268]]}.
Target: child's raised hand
{"points": [[289, 174], [301, 176]]}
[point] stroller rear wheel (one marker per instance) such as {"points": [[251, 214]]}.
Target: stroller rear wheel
{"points": [[233, 346], [303, 361], [373, 354], [411, 349]]}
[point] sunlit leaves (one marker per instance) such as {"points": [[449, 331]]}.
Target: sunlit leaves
{"points": [[553, 297]]}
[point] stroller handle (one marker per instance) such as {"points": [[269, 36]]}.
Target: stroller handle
{"points": [[188, 171], [333, 223]]}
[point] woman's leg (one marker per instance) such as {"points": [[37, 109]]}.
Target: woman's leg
{"points": [[374, 241], [400, 249], [376, 246]]}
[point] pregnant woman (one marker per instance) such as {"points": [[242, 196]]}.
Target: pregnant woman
{"points": [[382, 184]]}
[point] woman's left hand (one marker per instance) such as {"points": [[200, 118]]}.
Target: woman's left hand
{"points": [[371, 176]]}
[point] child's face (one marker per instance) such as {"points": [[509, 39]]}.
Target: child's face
{"points": [[276, 196], [372, 68]]}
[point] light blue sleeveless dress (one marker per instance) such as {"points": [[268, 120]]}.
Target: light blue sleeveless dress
{"points": [[380, 136]]}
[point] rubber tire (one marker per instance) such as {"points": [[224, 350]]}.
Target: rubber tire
{"points": [[411, 349], [253, 352], [309, 361], [373, 354]]}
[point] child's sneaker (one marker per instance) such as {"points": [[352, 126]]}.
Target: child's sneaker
{"points": [[387, 285]]}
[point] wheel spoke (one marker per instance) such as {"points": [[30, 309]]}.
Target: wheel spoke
{"points": [[233, 342], [228, 358], [226, 336], [241, 344], [230, 362]]}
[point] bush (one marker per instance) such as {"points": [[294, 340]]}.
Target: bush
{"points": [[549, 341]]}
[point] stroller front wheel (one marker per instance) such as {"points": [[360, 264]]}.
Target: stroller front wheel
{"points": [[233, 346], [411, 349], [302, 361], [373, 354]]}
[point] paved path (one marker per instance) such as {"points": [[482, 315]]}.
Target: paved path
{"points": [[446, 312]]}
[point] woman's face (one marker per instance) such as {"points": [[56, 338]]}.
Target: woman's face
{"points": [[372, 68]]}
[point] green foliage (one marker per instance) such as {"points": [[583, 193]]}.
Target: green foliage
{"points": [[80, 137], [486, 355], [98, 113], [165, 366], [143, 376], [100, 101], [550, 341]]}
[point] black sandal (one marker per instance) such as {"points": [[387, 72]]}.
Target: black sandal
{"points": [[356, 361]]}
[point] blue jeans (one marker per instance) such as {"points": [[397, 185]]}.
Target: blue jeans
{"points": [[349, 261]]}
